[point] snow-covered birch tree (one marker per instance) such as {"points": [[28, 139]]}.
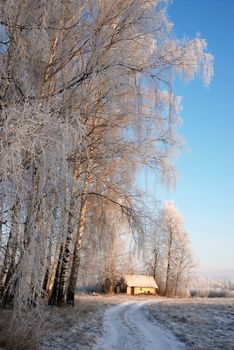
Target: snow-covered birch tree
{"points": [[178, 258]]}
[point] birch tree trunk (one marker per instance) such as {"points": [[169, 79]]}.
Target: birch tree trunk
{"points": [[78, 243], [8, 268], [169, 257], [48, 270], [53, 268], [60, 289], [54, 296]]}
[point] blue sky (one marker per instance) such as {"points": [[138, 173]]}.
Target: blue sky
{"points": [[205, 189]]}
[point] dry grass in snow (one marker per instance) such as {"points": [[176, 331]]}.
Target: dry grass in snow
{"points": [[206, 324], [78, 327], [20, 336]]}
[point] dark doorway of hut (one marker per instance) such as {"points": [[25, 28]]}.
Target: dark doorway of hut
{"points": [[132, 290]]}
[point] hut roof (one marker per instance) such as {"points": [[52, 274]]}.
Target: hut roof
{"points": [[140, 281]]}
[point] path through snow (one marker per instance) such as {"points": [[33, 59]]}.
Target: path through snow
{"points": [[127, 327]]}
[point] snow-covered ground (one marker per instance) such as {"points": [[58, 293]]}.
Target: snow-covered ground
{"points": [[201, 323], [143, 323], [78, 327], [126, 327]]}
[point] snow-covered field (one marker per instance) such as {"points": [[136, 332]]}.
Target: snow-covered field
{"points": [[121, 322], [200, 323]]}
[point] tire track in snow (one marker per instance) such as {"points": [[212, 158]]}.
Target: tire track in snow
{"points": [[127, 327]]}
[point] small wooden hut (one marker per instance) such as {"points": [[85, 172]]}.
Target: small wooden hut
{"points": [[139, 284]]}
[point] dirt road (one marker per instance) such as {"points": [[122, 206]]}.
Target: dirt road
{"points": [[127, 328]]}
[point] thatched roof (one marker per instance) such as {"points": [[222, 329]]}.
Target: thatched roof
{"points": [[140, 281]]}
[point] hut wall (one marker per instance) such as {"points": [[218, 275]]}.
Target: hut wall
{"points": [[128, 290], [142, 290]]}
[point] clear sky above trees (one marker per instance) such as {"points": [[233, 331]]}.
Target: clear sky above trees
{"points": [[205, 187]]}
